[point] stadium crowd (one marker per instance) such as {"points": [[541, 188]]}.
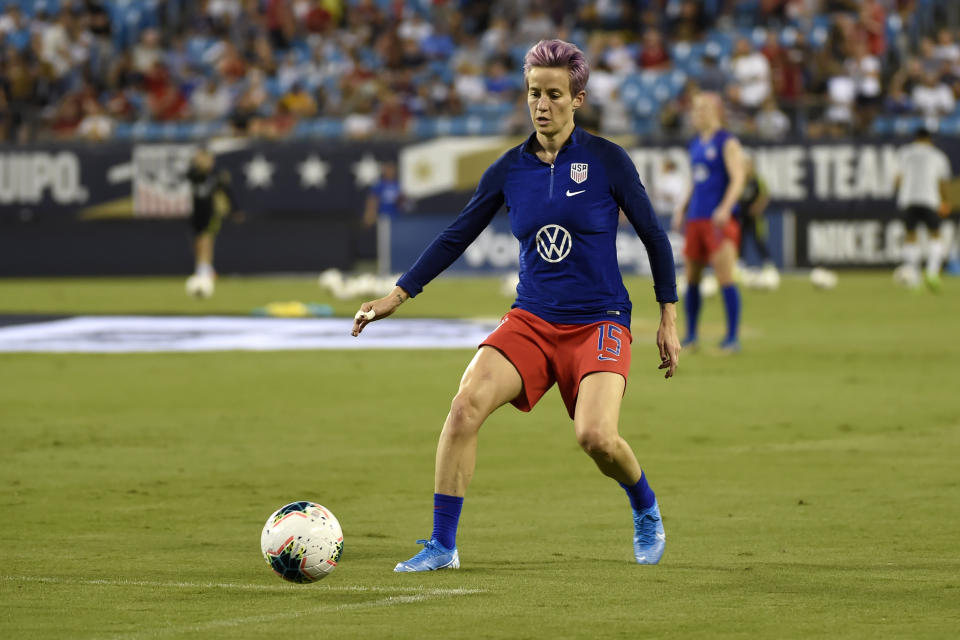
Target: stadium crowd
{"points": [[94, 69]]}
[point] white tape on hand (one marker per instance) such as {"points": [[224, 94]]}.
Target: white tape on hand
{"points": [[365, 315]]}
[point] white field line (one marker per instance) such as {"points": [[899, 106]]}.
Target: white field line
{"points": [[389, 601], [238, 586], [416, 594]]}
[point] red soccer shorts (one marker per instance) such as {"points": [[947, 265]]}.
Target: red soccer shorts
{"points": [[544, 353], [704, 238]]}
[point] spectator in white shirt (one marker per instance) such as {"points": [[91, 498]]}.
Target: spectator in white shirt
{"points": [[946, 50], [933, 98], [147, 52], [211, 101], [96, 125], [751, 77], [842, 97], [864, 69]]}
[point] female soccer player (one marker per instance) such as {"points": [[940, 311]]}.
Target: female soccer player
{"points": [[570, 324], [712, 230]]}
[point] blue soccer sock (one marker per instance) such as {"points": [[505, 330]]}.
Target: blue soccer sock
{"points": [[692, 306], [731, 302], [446, 516], [641, 495]]}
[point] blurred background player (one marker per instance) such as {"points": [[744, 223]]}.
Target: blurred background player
{"points": [[570, 323], [211, 202], [384, 203], [751, 208], [711, 230], [922, 199]]}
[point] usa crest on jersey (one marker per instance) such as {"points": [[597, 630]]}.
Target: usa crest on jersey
{"points": [[578, 171]]}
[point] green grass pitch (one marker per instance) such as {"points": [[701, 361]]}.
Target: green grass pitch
{"points": [[809, 486]]}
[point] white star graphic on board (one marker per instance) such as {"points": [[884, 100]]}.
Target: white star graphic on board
{"points": [[259, 172], [366, 170], [313, 172]]}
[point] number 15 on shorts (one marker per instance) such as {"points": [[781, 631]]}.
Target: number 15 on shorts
{"points": [[609, 342]]}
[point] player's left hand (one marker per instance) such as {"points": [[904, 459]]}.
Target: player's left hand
{"points": [[945, 210], [667, 340]]}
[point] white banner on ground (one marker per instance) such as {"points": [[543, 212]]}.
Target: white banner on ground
{"points": [[145, 334]]}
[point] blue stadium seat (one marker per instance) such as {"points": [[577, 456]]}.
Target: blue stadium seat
{"points": [[476, 125], [304, 129], [663, 89], [644, 126], [745, 11], [648, 79], [123, 131], [423, 128], [687, 56], [950, 125], [680, 51], [788, 36], [328, 127], [272, 85], [630, 90], [882, 126], [644, 107], [720, 43], [758, 36], [677, 79], [906, 125], [197, 47]]}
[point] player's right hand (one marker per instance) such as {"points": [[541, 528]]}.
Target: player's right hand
{"points": [[721, 216], [377, 310], [667, 341]]}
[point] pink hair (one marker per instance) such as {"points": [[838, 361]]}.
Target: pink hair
{"points": [[557, 53]]}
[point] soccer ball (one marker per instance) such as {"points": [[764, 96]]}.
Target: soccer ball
{"points": [[302, 542], [199, 286], [823, 278], [906, 276]]}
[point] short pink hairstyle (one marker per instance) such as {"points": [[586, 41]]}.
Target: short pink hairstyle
{"points": [[557, 53]]}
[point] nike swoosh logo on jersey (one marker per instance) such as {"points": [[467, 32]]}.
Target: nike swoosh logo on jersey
{"points": [[574, 193], [603, 357]]}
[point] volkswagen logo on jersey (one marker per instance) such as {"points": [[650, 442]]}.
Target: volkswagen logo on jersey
{"points": [[578, 171], [553, 242]]}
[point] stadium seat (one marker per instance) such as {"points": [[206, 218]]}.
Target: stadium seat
{"points": [[123, 131], [882, 126], [906, 125], [950, 125], [644, 107]]}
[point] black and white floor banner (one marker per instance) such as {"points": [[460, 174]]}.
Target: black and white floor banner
{"points": [[129, 334]]}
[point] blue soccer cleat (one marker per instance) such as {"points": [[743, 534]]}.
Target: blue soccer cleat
{"points": [[649, 538], [432, 557], [729, 346], [690, 344]]}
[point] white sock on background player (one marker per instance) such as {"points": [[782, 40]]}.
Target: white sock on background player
{"points": [[911, 258], [934, 256]]}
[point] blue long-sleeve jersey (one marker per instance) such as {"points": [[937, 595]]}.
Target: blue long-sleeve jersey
{"points": [[565, 216]]}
